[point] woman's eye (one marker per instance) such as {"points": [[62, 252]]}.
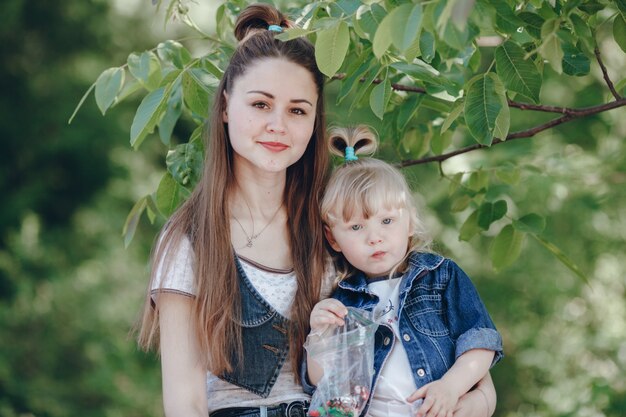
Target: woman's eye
{"points": [[260, 105], [355, 227], [387, 221], [298, 112]]}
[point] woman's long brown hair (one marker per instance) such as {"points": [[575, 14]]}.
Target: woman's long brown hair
{"points": [[204, 217]]}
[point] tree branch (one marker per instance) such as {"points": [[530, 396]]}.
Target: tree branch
{"points": [[578, 113], [605, 74]]}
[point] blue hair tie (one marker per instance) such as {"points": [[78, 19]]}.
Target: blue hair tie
{"points": [[275, 28], [350, 156]]}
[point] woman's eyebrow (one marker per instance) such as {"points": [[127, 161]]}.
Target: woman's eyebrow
{"points": [[268, 95]]}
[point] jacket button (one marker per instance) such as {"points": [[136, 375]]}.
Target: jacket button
{"points": [[386, 341], [406, 337], [421, 372]]}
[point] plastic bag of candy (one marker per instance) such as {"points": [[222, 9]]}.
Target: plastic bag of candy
{"points": [[346, 354]]}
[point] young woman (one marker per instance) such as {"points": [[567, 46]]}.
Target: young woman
{"points": [[238, 268]]}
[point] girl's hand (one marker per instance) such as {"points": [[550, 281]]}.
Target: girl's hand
{"points": [[439, 400], [326, 313]]}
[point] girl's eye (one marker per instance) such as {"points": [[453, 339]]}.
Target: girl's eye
{"points": [[355, 227], [387, 221]]}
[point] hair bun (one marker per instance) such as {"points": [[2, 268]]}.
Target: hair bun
{"points": [[361, 138], [257, 17]]}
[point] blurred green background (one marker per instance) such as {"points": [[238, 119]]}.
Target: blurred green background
{"points": [[70, 292]]}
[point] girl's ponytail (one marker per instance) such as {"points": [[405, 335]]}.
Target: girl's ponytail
{"points": [[361, 139]]}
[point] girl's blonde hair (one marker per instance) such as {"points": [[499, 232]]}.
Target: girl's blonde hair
{"points": [[363, 187], [204, 217]]}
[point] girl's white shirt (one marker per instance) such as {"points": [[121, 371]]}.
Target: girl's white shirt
{"points": [[395, 382], [278, 288]]}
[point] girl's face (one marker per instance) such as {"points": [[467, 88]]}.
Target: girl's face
{"points": [[270, 112], [374, 245]]}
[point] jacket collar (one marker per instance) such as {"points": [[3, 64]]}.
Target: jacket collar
{"points": [[418, 263]]}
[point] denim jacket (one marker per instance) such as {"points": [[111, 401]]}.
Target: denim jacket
{"points": [[440, 315], [265, 342]]}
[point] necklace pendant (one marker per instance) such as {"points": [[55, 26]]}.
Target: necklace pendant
{"points": [[249, 244]]}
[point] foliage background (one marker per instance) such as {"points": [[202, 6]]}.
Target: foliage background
{"points": [[69, 291]]}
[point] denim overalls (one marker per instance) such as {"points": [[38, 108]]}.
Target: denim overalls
{"points": [[440, 314]]}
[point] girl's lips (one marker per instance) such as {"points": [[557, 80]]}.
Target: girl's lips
{"points": [[378, 254], [274, 146]]}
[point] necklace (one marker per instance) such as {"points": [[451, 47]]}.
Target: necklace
{"points": [[250, 238]]}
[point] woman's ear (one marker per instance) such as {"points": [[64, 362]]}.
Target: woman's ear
{"points": [[331, 239], [225, 112]]}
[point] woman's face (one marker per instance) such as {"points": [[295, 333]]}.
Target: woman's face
{"points": [[270, 112]]}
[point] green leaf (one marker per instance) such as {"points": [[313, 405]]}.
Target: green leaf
{"points": [[550, 48], [452, 116], [184, 163], [530, 223], [363, 88], [147, 115], [533, 23], [508, 174], [292, 33], [490, 212], [408, 109], [461, 203], [455, 182], [108, 84], [503, 121], [379, 97], [151, 209], [518, 74], [170, 194], [331, 47], [506, 247], [470, 227], [383, 38], [368, 19], [198, 85], [173, 52], [145, 67], [482, 107], [132, 220], [348, 84], [424, 72], [562, 257], [210, 67], [407, 20], [170, 117], [478, 180], [582, 30], [427, 46], [440, 143], [574, 61], [506, 20], [619, 31], [415, 144]]}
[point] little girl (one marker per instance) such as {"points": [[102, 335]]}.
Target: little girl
{"points": [[435, 340]]}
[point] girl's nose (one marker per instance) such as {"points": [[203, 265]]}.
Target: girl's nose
{"points": [[374, 238]]}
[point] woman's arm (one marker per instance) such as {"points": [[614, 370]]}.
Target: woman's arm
{"points": [[184, 378], [480, 401]]}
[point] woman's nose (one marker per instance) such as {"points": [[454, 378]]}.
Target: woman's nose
{"points": [[276, 123]]}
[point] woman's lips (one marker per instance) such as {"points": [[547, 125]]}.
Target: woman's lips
{"points": [[274, 146]]}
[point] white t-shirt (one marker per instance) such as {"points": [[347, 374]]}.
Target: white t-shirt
{"points": [[278, 288], [395, 382]]}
